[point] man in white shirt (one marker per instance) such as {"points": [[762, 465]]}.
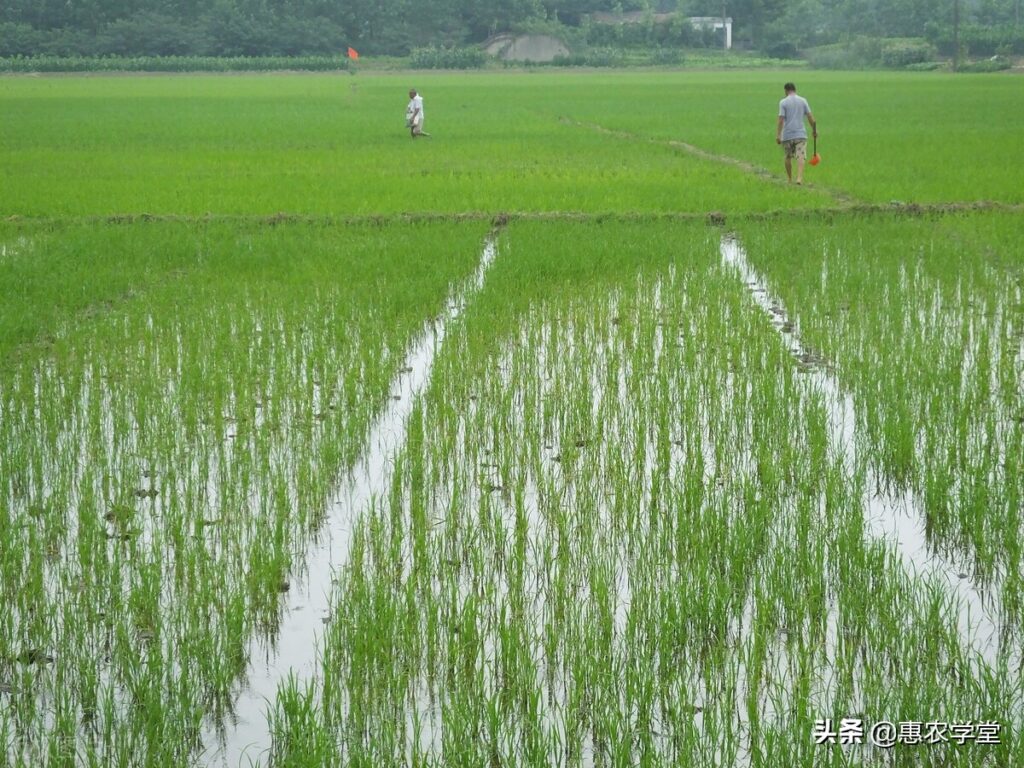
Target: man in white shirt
{"points": [[414, 115], [791, 133]]}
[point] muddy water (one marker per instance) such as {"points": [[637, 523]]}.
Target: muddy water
{"points": [[897, 518], [294, 651]]}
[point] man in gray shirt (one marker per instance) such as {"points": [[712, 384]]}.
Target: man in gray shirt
{"points": [[791, 133]]}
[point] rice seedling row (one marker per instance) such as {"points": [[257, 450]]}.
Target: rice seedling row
{"points": [[934, 360], [621, 532], [578, 485], [164, 466], [297, 640], [326, 144], [889, 515]]}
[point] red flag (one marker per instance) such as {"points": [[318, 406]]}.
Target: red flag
{"points": [[353, 53]]}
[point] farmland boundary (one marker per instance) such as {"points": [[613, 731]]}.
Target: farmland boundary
{"points": [[898, 209]]}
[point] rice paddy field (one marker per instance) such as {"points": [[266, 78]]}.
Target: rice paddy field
{"points": [[572, 435]]}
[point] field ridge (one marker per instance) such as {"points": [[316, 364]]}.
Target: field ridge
{"points": [[895, 208]]}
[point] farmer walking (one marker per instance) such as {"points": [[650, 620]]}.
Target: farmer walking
{"points": [[791, 133], [414, 115]]}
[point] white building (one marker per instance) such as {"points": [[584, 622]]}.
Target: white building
{"points": [[715, 22]]}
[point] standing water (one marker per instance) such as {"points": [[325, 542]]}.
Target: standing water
{"points": [[895, 518], [293, 652]]}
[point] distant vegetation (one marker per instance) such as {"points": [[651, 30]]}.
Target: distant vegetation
{"points": [[292, 28]]}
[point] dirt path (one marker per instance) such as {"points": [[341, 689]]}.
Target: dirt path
{"points": [[743, 165]]}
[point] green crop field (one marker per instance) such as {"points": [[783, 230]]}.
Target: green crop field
{"points": [[572, 435]]}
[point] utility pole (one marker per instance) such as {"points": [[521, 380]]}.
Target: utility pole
{"points": [[725, 29], [956, 34]]}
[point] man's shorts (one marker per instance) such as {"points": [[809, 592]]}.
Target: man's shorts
{"points": [[795, 148]]}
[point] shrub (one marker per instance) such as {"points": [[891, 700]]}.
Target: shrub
{"points": [[572, 60], [666, 56], [902, 53], [860, 53], [604, 57], [834, 57], [171, 63], [598, 57], [994, 64], [980, 41], [783, 49], [440, 57], [674, 33]]}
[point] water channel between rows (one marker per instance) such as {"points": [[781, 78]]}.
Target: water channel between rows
{"points": [[294, 652], [897, 518]]}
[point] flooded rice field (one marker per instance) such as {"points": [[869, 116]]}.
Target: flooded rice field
{"points": [[587, 494]]}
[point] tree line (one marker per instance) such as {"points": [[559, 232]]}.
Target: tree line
{"points": [[395, 27]]}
